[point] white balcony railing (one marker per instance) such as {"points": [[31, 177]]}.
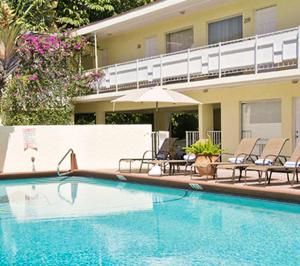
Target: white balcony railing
{"points": [[192, 136], [261, 53]]}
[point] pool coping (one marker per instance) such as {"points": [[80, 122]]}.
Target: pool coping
{"points": [[170, 181]]}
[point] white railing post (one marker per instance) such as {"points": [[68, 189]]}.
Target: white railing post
{"points": [[137, 74], [161, 70], [216, 136], [298, 52], [220, 54], [116, 76], [96, 59], [188, 65], [255, 55], [191, 137]]}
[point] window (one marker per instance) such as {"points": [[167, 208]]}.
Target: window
{"points": [[225, 30], [85, 118], [180, 40], [261, 119]]}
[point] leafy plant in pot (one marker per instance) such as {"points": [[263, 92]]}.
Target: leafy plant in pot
{"points": [[206, 152]]}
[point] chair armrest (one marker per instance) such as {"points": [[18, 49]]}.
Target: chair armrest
{"points": [[226, 153], [284, 157], [146, 152], [219, 159], [270, 156], [296, 163], [255, 157]]}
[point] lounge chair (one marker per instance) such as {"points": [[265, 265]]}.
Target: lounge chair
{"points": [[272, 149], [241, 155], [268, 158], [165, 152], [291, 166]]}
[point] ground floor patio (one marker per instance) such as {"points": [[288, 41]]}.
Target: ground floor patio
{"points": [[263, 110]]}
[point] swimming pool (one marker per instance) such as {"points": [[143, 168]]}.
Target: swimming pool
{"points": [[86, 221]]}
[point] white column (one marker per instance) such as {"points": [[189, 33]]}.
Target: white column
{"points": [[96, 58], [298, 54], [96, 51]]}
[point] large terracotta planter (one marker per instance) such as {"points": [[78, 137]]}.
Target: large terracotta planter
{"points": [[203, 166]]}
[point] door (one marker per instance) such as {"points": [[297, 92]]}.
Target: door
{"points": [[265, 20], [151, 46], [297, 120]]}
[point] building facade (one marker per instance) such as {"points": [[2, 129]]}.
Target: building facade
{"points": [[240, 59]]}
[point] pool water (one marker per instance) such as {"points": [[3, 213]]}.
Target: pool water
{"points": [[87, 221]]}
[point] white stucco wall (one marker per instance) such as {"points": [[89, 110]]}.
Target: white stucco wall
{"points": [[96, 146]]}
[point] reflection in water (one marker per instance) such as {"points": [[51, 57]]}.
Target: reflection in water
{"points": [[72, 199], [82, 221]]}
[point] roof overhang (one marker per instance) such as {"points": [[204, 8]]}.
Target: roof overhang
{"points": [[151, 13]]}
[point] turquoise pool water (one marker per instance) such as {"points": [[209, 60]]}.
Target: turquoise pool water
{"points": [[85, 221]]}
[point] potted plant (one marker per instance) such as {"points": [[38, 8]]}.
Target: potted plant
{"points": [[206, 152]]}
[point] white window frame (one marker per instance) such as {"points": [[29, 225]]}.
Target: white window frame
{"points": [[224, 18], [175, 31]]}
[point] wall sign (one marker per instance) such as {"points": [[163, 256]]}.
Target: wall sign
{"points": [[29, 138]]}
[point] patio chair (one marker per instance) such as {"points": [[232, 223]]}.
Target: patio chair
{"points": [[165, 152], [268, 158], [242, 154], [291, 166], [271, 150]]}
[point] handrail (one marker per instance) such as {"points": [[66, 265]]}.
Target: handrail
{"points": [[63, 158]]}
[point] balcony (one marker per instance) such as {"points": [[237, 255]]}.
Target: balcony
{"points": [[259, 54]]}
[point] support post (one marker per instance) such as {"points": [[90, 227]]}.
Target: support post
{"points": [[298, 53], [116, 76], [137, 74], [96, 59], [96, 52], [220, 54], [161, 70], [188, 65], [255, 55]]}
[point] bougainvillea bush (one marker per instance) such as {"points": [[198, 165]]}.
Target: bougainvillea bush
{"points": [[47, 79]]}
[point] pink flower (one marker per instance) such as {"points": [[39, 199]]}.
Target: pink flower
{"points": [[77, 46], [33, 77]]}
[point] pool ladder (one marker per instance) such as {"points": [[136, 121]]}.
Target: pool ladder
{"points": [[73, 163]]}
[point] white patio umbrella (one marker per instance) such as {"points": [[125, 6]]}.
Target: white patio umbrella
{"points": [[156, 95]]}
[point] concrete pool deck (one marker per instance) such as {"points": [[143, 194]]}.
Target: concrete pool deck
{"points": [[279, 189]]}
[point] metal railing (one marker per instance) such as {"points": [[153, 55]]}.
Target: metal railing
{"points": [[192, 136], [261, 53], [70, 151], [215, 136]]}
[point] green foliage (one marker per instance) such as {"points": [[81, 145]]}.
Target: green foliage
{"points": [[43, 87], [45, 15], [182, 122], [34, 15], [85, 119], [128, 118], [204, 147]]}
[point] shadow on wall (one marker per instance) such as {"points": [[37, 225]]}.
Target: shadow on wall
{"points": [[5, 133]]}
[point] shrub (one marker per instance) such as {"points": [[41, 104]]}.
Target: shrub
{"points": [[44, 85]]}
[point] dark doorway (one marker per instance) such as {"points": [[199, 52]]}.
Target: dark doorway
{"points": [[217, 119]]}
